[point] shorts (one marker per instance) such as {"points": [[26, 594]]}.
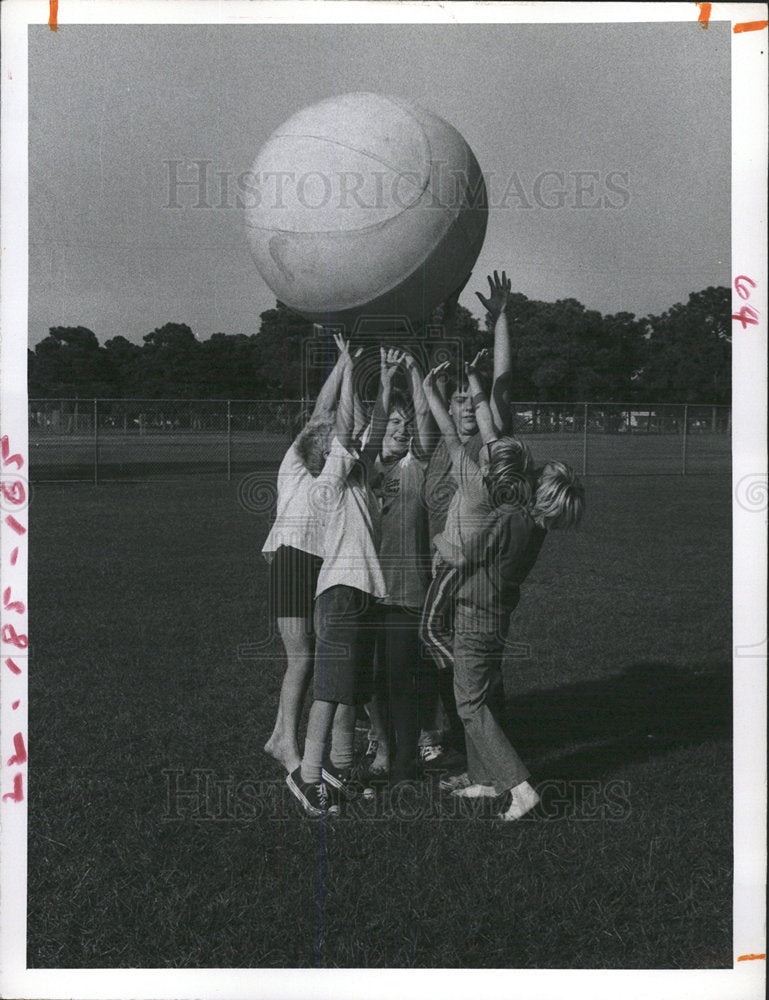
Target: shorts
{"points": [[345, 622], [293, 579]]}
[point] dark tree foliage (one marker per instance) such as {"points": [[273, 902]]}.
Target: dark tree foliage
{"points": [[561, 352], [690, 345], [69, 364], [125, 359], [281, 341]]}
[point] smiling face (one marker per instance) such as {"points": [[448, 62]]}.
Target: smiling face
{"points": [[463, 412], [397, 436]]}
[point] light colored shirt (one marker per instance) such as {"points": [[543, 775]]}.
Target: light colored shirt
{"points": [[495, 547], [296, 521], [350, 519], [469, 514], [440, 482]]}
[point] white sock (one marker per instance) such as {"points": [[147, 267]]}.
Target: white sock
{"points": [[342, 750], [312, 762]]}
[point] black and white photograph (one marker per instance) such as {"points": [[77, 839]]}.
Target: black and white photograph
{"points": [[383, 499]]}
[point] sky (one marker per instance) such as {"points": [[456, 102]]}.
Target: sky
{"points": [[645, 107]]}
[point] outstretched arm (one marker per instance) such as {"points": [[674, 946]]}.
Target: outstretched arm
{"points": [[496, 306], [424, 428], [440, 414], [483, 414], [389, 360], [345, 410], [325, 404]]}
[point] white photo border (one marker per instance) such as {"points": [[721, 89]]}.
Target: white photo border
{"points": [[749, 228]]}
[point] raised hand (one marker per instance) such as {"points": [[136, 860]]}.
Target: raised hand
{"points": [[471, 368], [343, 346], [389, 359], [410, 363], [499, 293], [434, 375]]}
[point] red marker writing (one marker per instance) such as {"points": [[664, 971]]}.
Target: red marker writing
{"points": [[20, 756], [17, 795], [5, 448]]}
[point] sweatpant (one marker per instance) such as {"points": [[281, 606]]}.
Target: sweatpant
{"points": [[437, 634], [479, 644]]}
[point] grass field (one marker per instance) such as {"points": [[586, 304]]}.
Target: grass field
{"points": [[140, 598], [170, 456]]}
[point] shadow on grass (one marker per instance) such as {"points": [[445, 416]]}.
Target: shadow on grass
{"points": [[647, 710]]}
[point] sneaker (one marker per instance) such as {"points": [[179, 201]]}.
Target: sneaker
{"points": [[518, 801], [440, 758], [451, 782], [342, 781], [314, 797]]}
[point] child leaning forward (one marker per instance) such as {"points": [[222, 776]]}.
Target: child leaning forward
{"points": [[492, 548]]}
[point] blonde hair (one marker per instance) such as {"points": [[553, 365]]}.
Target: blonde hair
{"points": [[508, 477], [313, 444], [559, 500]]}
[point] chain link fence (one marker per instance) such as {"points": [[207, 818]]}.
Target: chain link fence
{"points": [[103, 440]]}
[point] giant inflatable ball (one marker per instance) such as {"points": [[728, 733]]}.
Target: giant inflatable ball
{"points": [[365, 208]]}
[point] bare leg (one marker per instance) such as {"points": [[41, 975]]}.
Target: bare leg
{"points": [[381, 762], [299, 643]]}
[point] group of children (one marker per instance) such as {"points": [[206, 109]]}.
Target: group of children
{"points": [[397, 555]]}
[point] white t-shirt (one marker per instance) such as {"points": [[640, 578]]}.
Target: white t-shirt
{"points": [[296, 522], [349, 513]]}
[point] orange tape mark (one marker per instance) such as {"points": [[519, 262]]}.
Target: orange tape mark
{"points": [[705, 9], [53, 14], [751, 958], [749, 26]]}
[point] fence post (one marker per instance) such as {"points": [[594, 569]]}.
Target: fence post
{"points": [[685, 435], [584, 442], [96, 442], [229, 442]]}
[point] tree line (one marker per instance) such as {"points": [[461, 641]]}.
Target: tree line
{"points": [[562, 352]]}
